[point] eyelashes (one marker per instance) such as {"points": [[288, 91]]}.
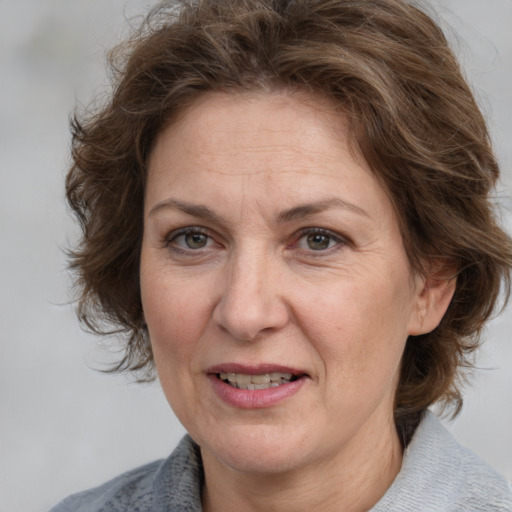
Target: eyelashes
{"points": [[318, 240], [189, 239], [194, 241]]}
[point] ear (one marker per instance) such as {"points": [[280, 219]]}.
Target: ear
{"points": [[434, 294]]}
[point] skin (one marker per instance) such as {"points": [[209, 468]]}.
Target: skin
{"points": [[249, 282]]}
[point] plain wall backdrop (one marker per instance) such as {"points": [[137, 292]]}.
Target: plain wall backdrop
{"points": [[65, 427]]}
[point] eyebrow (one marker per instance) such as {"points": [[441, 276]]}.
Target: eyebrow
{"points": [[195, 210], [309, 209], [296, 213]]}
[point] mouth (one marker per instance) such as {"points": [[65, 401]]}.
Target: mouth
{"points": [[256, 386], [258, 381]]}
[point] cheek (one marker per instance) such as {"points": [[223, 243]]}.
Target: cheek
{"points": [[175, 323], [172, 316], [359, 329]]}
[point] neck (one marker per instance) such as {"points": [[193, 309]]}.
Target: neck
{"points": [[352, 480]]}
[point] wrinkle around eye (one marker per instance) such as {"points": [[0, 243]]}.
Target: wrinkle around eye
{"points": [[190, 242], [326, 242]]}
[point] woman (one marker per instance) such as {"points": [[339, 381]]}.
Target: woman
{"points": [[285, 207]]}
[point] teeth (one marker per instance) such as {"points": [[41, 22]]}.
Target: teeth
{"points": [[242, 379], [276, 377], [261, 386], [259, 379], [263, 381]]}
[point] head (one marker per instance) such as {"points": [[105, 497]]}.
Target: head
{"points": [[386, 68]]}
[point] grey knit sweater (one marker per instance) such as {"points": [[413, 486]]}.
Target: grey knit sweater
{"points": [[437, 475]]}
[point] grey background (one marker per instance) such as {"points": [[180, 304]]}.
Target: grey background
{"points": [[63, 426]]}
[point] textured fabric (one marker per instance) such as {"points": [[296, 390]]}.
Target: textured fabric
{"points": [[440, 475], [163, 486], [437, 475]]}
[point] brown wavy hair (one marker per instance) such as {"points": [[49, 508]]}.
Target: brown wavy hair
{"points": [[387, 65]]}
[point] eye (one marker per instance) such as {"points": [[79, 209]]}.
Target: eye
{"points": [[319, 242], [191, 239], [317, 239], [194, 240]]}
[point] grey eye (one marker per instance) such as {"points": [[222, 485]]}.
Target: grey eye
{"points": [[195, 240], [319, 242]]}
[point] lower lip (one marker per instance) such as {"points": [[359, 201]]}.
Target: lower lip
{"points": [[257, 398]]}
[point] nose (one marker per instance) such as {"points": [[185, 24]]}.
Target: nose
{"points": [[251, 302]]}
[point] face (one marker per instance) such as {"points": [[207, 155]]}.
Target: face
{"points": [[275, 285]]}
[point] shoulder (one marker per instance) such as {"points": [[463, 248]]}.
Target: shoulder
{"points": [[176, 480], [119, 494], [439, 474]]}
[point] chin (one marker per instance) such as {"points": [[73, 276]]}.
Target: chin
{"points": [[258, 449]]}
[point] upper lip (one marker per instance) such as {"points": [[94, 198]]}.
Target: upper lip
{"points": [[258, 369]]}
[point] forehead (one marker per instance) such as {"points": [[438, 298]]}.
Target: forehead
{"points": [[280, 147], [285, 122]]}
